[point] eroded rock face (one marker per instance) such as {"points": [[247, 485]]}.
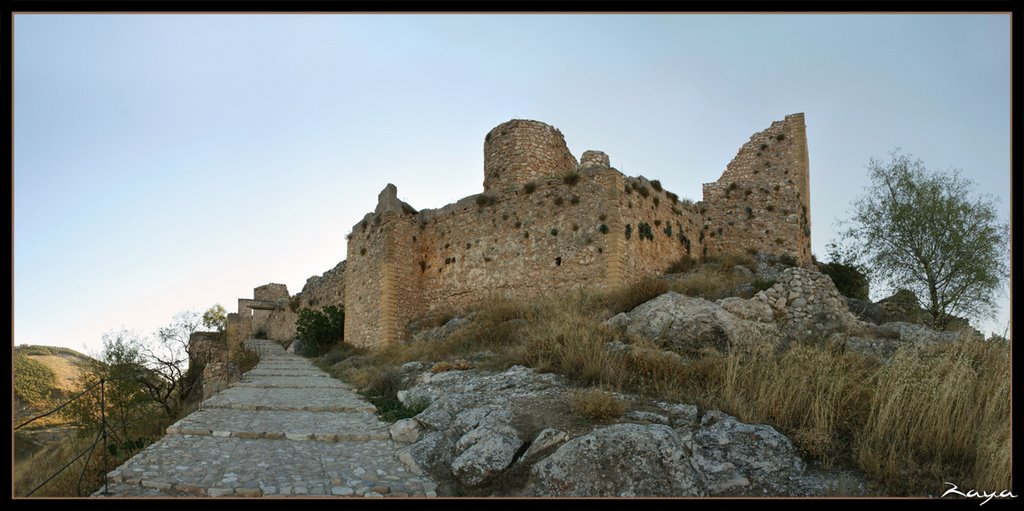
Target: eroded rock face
{"points": [[686, 324], [621, 460], [475, 415], [474, 432], [735, 458]]}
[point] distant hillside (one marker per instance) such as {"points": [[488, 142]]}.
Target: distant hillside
{"points": [[44, 375]]}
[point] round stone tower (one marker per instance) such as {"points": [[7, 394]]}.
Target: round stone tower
{"points": [[519, 151]]}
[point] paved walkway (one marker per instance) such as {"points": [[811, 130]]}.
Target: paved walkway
{"points": [[285, 429]]}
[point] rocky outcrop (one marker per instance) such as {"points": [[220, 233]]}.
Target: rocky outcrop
{"points": [[622, 460], [882, 341], [512, 433], [734, 458], [685, 324]]}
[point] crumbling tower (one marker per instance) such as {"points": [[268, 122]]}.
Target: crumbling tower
{"points": [[519, 151]]}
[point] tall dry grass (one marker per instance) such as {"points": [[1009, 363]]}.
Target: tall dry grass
{"points": [[940, 413], [928, 415], [27, 474], [816, 395]]}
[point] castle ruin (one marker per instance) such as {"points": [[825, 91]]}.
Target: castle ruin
{"points": [[544, 223]]}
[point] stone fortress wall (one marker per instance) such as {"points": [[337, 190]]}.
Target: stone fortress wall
{"points": [[762, 200], [544, 223]]}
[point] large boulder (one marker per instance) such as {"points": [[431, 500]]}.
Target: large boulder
{"points": [[735, 458], [487, 449], [475, 415], [751, 310], [685, 324], [431, 454], [620, 460]]}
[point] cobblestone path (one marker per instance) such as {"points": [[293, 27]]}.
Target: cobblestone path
{"points": [[286, 429]]}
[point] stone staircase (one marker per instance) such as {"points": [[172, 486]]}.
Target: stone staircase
{"points": [[285, 429]]}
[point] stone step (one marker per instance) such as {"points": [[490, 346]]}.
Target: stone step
{"points": [[212, 466], [278, 425], [291, 382], [257, 373], [308, 399]]}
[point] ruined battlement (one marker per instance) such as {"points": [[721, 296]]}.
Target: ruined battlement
{"points": [[543, 223], [546, 222]]}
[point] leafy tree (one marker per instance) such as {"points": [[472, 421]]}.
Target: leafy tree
{"points": [[924, 231], [216, 318]]}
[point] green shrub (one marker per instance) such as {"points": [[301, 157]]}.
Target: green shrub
{"points": [[571, 179], [787, 260], [382, 391], [848, 279], [645, 231], [762, 285], [321, 329]]}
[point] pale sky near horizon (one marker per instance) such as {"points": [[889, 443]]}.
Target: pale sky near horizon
{"points": [[170, 162]]}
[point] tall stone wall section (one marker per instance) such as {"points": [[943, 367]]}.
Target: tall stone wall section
{"points": [[211, 350], [545, 223], [522, 245], [322, 290], [520, 151], [762, 200], [657, 228]]}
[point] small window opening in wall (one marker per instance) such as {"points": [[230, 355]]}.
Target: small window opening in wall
{"points": [[558, 261]]}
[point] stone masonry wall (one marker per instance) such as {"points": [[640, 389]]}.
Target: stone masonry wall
{"points": [[211, 349], [521, 245], [534, 231], [520, 151], [656, 227], [531, 240], [323, 290], [762, 200]]}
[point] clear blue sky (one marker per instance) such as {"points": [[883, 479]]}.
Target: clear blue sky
{"points": [[170, 162]]}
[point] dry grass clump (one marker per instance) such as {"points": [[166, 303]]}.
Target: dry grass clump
{"points": [[930, 414], [597, 404], [683, 265], [458, 365], [564, 338], [707, 282], [816, 395], [244, 359], [628, 297], [28, 474], [726, 262], [940, 413]]}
